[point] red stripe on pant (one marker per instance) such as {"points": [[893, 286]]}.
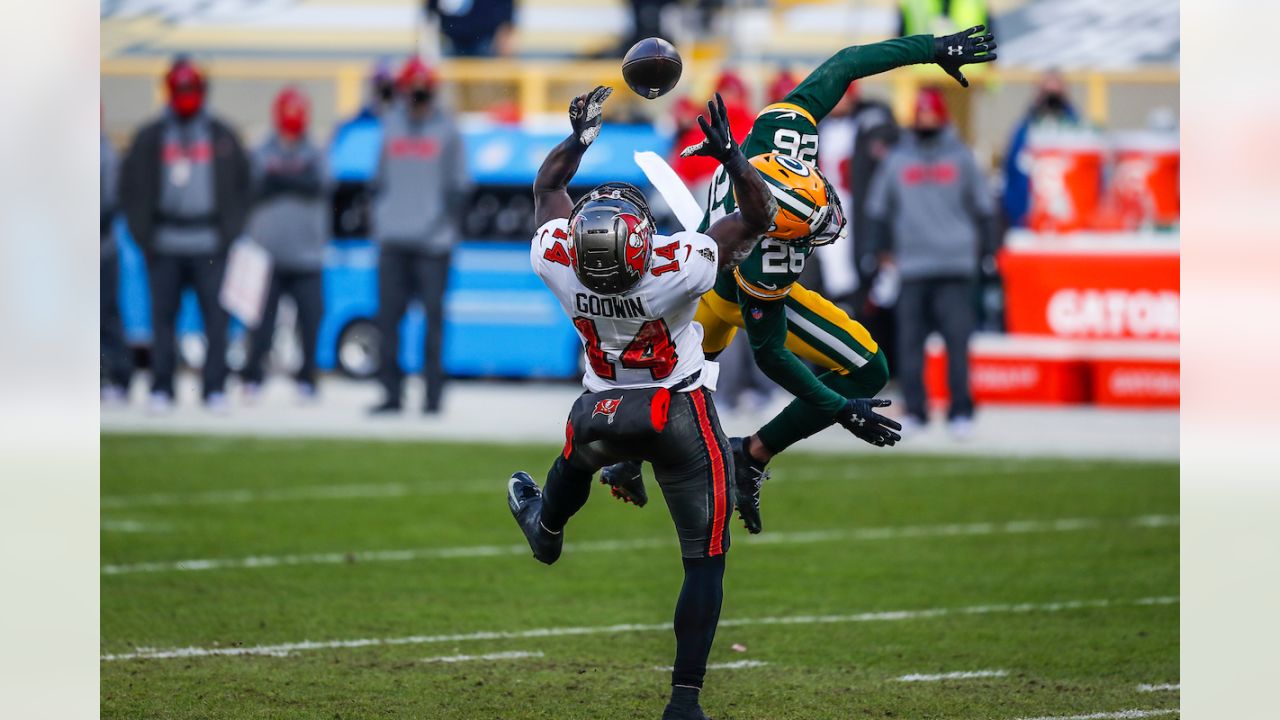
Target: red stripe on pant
{"points": [[717, 472]]}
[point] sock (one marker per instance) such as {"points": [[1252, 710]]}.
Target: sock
{"points": [[697, 613], [800, 420], [684, 697], [564, 494]]}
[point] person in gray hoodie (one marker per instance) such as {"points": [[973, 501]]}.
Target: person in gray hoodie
{"points": [[420, 188], [184, 190], [288, 220], [930, 213]]}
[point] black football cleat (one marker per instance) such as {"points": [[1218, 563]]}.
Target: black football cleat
{"points": [[683, 713], [749, 477], [386, 407], [625, 482], [524, 497]]}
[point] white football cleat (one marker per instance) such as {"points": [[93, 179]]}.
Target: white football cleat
{"points": [[961, 428], [159, 403]]}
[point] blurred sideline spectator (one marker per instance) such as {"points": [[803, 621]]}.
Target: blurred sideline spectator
{"points": [[931, 215], [696, 171], [185, 194], [288, 220], [353, 155], [835, 156], [421, 182], [116, 367], [782, 83], [474, 28], [1050, 107]]}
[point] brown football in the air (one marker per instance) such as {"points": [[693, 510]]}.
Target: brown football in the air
{"points": [[652, 67]]}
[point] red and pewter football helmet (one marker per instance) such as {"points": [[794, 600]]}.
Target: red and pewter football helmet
{"points": [[186, 85], [611, 230], [291, 111]]}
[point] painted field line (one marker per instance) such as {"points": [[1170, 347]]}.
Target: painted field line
{"points": [[130, 526], [306, 492], [1013, 527], [1117, 715], [481, 486], [733, 665], [1161, 687], [782, 538], [509, 655], [962, 675], [145, 653]]}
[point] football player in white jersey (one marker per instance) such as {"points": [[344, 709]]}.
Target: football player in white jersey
{"points": [[632, 295]]}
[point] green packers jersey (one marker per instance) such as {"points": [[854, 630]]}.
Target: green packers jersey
{"points": [[771, 268]]}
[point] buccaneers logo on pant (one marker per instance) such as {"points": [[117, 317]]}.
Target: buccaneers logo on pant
{"points": [[607, 407]]}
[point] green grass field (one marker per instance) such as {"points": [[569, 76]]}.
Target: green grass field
{"points": [[1061, 578]]}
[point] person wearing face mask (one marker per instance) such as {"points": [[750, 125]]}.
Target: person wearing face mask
{"points": [[353, 155], [288, 220], [930, 214], [184, 190], [420, 187], [1051, 106]]}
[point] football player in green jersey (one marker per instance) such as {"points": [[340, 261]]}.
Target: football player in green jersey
{"points": [[784, 321]]}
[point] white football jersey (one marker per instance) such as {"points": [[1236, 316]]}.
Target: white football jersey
{"points": [[645, 337]]}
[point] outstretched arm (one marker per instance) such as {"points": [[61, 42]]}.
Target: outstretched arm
{"points": [[735, 234], [823, 88], [550, 194]]}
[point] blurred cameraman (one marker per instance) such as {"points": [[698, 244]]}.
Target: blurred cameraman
{"points": [[421, 185], [185, 194]]}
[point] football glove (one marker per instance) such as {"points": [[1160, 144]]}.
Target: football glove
{"points": [[585, 114], [974, 45], [719, 144], [858, 417]]}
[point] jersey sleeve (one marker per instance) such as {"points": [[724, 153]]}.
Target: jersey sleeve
{"points": [[549, 251], [701, 259], [819, 92]]}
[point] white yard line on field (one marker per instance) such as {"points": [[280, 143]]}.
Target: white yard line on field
{"points": [[509, 655], [775, 538], [733, 665], [481, 486], [144, 653], [1117, 715], [306, 492], [962, 675], [131, 526], [1161, 687]]}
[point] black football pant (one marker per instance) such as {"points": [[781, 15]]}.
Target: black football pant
{"points": [[944, 303], [693, 464], [169, 275], [402, 275], [116, 367], [307, 290]]}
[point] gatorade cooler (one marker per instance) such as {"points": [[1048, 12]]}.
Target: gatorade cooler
{"points": [[1144, 183], [1066, 179]]}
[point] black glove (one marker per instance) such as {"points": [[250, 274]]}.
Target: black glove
{"points": [[974, 45], [584, 114], [719, 143], [858, 417]]}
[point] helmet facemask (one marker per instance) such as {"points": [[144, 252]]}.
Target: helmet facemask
{"points": [[829, 222]]}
